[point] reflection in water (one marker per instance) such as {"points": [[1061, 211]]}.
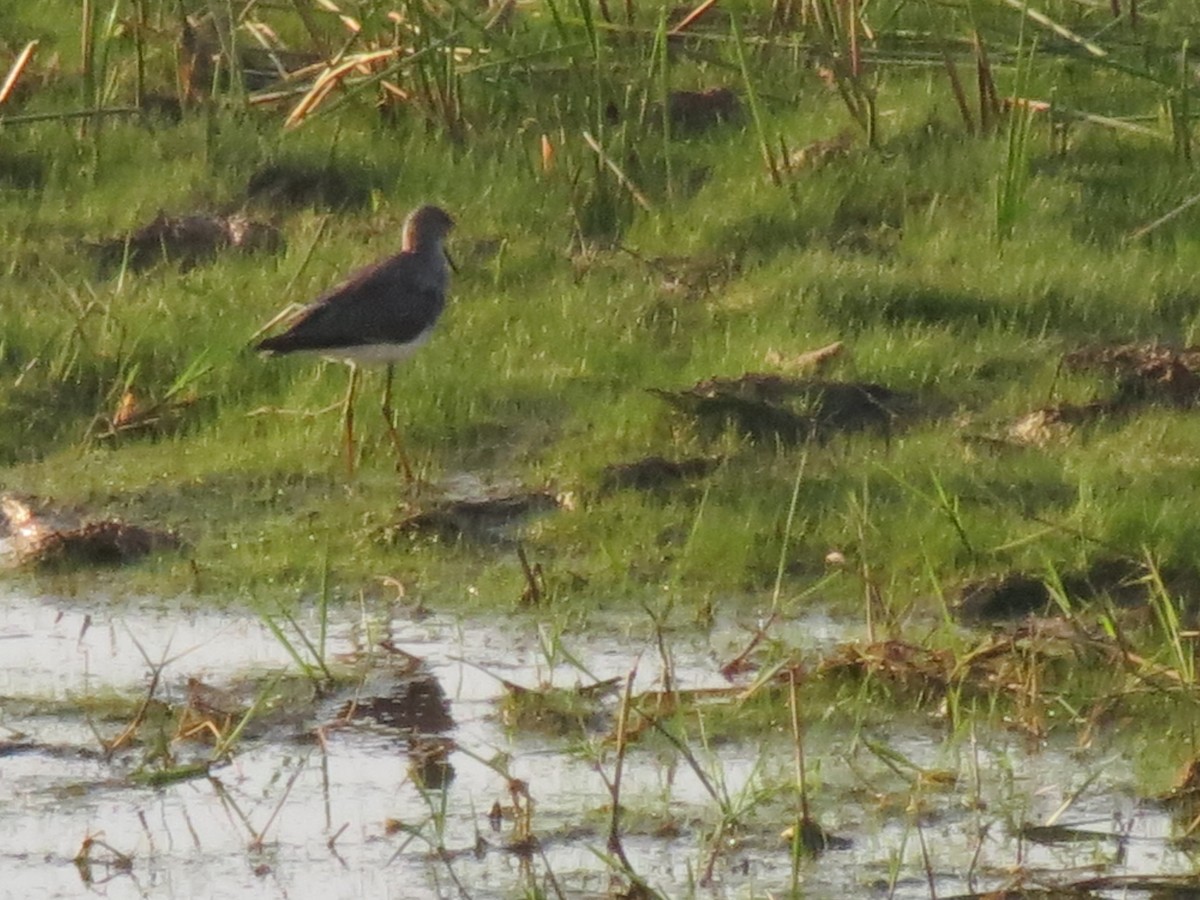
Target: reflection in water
{"points": [[413, 786]]}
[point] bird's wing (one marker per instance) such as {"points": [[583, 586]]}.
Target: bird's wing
{"points": [[388, 302]]}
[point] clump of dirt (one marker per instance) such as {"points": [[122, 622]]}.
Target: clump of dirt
{"points": [[109, 542], [546, 709], [692, 112], [1017, 594], [998, 666], [655, 473], [808, 834], [791, 410], [291, 185], [163, 107], [22, 170], [896, 661], [1010, 596], [1146, 375], [685, 276], [34, 535], [188, 241], [1054, 423], [483, 519], [818, 154]]}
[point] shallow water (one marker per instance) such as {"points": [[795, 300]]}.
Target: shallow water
{"points": [[324, 807]]}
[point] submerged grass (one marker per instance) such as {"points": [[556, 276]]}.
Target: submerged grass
{"points": [[654, 255]]}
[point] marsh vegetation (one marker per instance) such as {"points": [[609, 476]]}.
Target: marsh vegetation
{"points": [[869, 313]]}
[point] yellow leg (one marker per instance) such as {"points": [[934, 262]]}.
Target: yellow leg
{"points": [[389, 417], [348, 418]]}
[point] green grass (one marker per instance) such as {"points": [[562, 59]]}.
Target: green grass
{"points": [[539, 371]]}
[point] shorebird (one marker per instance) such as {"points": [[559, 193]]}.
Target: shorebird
{"points": [[380, 314]]}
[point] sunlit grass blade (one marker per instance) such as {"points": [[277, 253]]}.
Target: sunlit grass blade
{"points": [[765, 144], [1013, 179]]}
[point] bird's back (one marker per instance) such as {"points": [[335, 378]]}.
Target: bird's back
{"points": [[394, 302]]}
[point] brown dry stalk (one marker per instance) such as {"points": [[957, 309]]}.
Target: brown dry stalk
{"points": [[691, 17], [135, 723], [14, 72], [614, 844], [852, 28], [798, 737], [956, 88], [989, 105], [741, 662], [621, 177], [331, 78]]}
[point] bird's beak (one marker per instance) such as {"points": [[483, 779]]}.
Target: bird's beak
{"points": [[450, 259]]}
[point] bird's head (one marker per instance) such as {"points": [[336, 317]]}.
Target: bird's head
{"points": [[426, 226]]}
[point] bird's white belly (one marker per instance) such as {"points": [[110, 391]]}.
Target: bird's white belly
{"points": [[376, 354]]}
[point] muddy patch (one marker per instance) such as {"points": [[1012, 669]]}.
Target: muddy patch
{"points": [[36, 535], [689, 112], [293, 185], [769, 407], [655, 474], [187, 241], [1017, 594], [489, 519], [21, 170], [1145, 373], [818, 154], [1052, 424], [693, 112], [1142, 376], [687, 278]]}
